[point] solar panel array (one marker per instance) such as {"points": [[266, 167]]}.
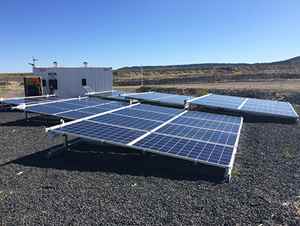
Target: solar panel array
{"points": [[196, 136], [75, 108], [254, 106], [170, 99]]}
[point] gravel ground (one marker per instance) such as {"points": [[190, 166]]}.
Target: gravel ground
{"points": [[116, 186]]}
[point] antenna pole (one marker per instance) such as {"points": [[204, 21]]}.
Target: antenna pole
{"points": [[33, 62], [142, 76]]}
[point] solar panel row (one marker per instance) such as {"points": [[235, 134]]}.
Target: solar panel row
{"points": [[207, 139], [75, 109]]}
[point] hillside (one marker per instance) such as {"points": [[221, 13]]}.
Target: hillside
{"points": [[212, 72]]}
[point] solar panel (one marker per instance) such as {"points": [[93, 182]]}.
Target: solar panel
{"points": [[144, 114], [125, 121], [92, 130], [158, 109], [278, 109], [219, 101], [188, 149], [75, 108], [26, 100], [195, 136], [163, 98]]}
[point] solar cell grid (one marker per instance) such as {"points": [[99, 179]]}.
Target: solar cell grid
{"points": [[220, 101], [189, 149], [203, 137], [206, 135], [158, 109], [75, 108], [206, 124], [102, 132], [144, 114], [213, 117], [163, 98], [118, 120], [267, 106], [74, 114], [44, 109]]}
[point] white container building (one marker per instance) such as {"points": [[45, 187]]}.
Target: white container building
{"points": [[68, 82]]}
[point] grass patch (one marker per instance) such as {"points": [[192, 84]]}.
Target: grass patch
{"points": [[288, 152], [235, 172]]}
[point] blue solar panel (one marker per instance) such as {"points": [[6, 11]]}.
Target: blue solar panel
{"points": [[158, 109], [124, 121], [206, 135], [144, 114], [254, 106], [220, 101], [213, 117], [85, 102], [203, 137], [278, 108], [163, 98], [188, 149], [74, 114], [74, 109], [98, 131], [44, 109], [207, 124]]}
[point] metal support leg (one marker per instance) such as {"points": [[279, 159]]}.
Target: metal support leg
{"points": [[66, 142], [228, 174], [26, 116]]}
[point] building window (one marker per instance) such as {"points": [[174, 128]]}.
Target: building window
{"points": [[83, 82]]}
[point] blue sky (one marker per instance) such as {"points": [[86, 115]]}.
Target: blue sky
{"points": [[146, 32]]}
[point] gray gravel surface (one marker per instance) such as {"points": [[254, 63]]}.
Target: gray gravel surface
{"points": [[102, 185]]}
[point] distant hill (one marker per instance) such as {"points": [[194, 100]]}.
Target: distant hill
{"points": [[294, 60], [208, 72]]}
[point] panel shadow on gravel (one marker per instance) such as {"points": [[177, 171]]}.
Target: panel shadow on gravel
{"points": [[34, 121], [91, 157]]}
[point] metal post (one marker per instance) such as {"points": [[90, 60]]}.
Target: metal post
{"points": [[26, 116], [142, 76], [228, 174], [66, 142]]}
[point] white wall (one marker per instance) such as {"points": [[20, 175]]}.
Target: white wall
{"points": [[69, 79]]}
